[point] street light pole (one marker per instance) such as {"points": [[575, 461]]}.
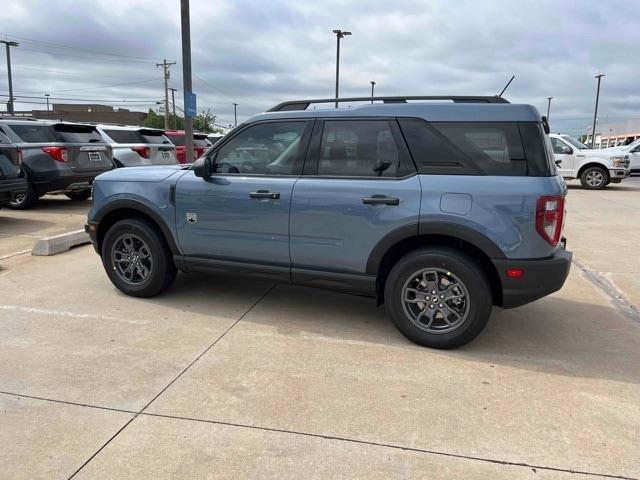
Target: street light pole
{"points": [[595, 112], [47, 97], [235, 114], [9, 44], [339, 34], [373, 84], [548, 107]]}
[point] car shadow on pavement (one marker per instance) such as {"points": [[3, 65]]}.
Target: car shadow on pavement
{"points": [[553, 335], [13, 225]]}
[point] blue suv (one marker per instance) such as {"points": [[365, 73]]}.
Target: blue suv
{"points": [[440, 210]]}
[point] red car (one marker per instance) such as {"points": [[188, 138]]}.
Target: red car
{"points": [[200, 144]]}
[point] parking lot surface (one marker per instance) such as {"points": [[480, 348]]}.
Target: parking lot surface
{"points": [[231, 378]]}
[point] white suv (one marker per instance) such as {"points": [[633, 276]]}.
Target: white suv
{"points": [[595, 168], [138, 146]]}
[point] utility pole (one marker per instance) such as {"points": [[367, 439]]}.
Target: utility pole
{"points": [[339, 34], [373, 84], [47, 97], [595, 113], [235, 114], [165, 67], [186, 76], [173, 102], [549, 107], [9, 44]]}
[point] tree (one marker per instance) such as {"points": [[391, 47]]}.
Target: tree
{"points": [[204, 122], [156, 120]]}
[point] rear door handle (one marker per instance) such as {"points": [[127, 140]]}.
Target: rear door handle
{"points": [[265, 194], [381, 200]]}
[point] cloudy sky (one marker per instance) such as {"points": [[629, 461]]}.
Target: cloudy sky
{"points": [[258, 53]]}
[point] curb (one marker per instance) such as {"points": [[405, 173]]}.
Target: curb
{"points": [[60, 243]]}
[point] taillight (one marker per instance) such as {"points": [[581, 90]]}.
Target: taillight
{"points": [[142, 151], [549, 218], [59, 154]]}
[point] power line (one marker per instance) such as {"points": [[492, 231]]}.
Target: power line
{"points": [[68, 47], [69, 73], [86, 58]]}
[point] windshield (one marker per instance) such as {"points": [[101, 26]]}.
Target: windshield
{"points": [[575, 143]]}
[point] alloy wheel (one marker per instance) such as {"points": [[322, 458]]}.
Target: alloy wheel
{"points": [[435, 300], [131, 259]]}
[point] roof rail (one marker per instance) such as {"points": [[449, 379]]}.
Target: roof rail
{"points": [[304, 104], [17, 117]]}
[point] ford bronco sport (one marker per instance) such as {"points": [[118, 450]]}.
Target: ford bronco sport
{"points": [[439, 210]]}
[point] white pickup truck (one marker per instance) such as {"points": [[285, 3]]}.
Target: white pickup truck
{"points": [[595, 168], [633, 150]]}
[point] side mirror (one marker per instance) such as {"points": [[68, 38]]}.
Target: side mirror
{"points": [[567, 151], [202, 167], [558, 163]]}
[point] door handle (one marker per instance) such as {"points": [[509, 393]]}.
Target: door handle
{"points": [[381, 200], [265, 194]]}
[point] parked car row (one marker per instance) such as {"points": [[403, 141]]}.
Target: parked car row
{"points": [[43, 156]]}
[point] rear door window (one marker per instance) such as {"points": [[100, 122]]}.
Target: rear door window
{"points": [[360, 148], [475, 148], [35, 133]]}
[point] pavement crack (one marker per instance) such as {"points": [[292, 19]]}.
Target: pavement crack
{"points": [[397, 447], [620, 302], [140, 412]]}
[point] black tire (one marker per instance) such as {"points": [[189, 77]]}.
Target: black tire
{"points": [[451, 264], [26, 200], [78, 196], [594, 178], [162, 270]]}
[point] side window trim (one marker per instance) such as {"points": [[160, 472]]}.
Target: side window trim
{"points": [[313, 154], [304, 144]]}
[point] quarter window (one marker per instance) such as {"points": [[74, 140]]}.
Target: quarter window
{"points": [[360, 148], [470, 148], [272, 148]]}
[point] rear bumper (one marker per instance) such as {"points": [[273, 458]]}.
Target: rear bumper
{"points": [[66, 182], [10, 188], [541, 277]]}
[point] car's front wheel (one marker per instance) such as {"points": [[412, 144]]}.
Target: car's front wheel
{"points": [[594, 178], [137, 258], [438, 297]]}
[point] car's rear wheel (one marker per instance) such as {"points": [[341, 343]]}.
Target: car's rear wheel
{"points": [[594, 178], [25, 200], [79, 195], [438, 297], [137, 258]]}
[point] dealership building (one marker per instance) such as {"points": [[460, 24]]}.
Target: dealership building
{"points": [[613, 134]]}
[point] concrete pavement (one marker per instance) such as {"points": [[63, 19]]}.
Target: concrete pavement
{"points": [[232, 378]]}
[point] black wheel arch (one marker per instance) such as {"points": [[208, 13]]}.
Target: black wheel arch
{"points": [[127, 208], [405, 239]]}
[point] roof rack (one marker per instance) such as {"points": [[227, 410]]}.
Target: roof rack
{"points": [[4, 116], [304, 104]]}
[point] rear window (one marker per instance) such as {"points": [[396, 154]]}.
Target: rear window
{"points": [[77, 133], [125, 136], [475, 148], [176, 139], [154, 136], [35, 133], [200, 142]]}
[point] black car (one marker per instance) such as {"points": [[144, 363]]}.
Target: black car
{"points": [[57, 157], [12, 179]]}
